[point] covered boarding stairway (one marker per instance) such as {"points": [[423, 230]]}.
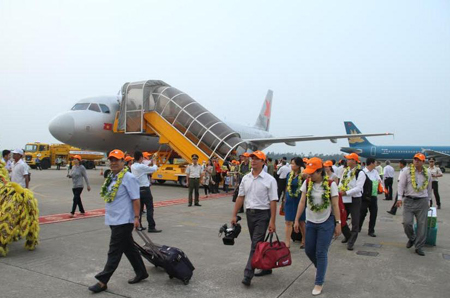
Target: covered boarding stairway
{"points": [[156, 108]]}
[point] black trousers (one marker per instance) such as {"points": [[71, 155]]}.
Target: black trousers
{"points": [[257, 222], [38, 166], [194, 184], [371, 206], [388, 182], [77, 200], [121, 243], [281, 188], [207, 189], [147, 200], [217, 180], [353, 209], [435, 186]]}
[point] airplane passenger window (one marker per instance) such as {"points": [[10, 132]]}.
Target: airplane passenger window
{"points": [[94, 107], [104, 108], [80, 106]]}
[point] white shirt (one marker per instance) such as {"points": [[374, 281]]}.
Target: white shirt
{"points": [[316, 193], [405, 188], [335, 168], [373, 175], [259, 191], [283, 171], [434, 171], [141, 172], [339, 170], [8, 164], [194, 171], [265, 168], [355, 186], [388, 172], [19, 170]]}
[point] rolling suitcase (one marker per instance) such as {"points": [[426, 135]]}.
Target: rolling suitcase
{"points": [[150, 251], [177, 264]]}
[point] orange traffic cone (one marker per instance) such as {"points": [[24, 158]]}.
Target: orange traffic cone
{"points": [[101, 172]]}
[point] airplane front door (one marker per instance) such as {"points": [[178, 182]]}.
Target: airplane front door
{"points": [[373, 151]]}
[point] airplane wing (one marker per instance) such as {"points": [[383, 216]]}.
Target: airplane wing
{"points": [[433, 153], [291, 140]]}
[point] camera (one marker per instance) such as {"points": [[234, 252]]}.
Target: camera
{"points": [[230, 232]]}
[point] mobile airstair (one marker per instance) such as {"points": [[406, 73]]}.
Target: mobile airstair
{"points": [[154, 108]]}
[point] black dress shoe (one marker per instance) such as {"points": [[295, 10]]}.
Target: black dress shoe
{"points": [[189, 205], [247, 281], [420, 252], [137, 279], [197, 204], [350, 246], [263, 272], [409, 244], [154, 231], [390, 212], [97, 288], [372, 235], [345, 240], [141, 228]]}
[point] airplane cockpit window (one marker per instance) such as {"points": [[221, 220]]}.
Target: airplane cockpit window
{"points": [[94, 107], [80, 107], [104, 108]]}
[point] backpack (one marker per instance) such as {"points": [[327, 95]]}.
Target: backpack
{"points": [[367, 188]]}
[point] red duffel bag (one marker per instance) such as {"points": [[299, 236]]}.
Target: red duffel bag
{"points": [[272, 254]]}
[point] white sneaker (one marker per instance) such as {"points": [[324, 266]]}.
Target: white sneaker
{"points": [[317, 290]]}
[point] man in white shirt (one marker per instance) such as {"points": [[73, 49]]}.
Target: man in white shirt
{"points": [[141, 172], [282, 172], [416, 197], [402, 165], [193, 176], [260, 192], [388, 175], [435, 172], [379, 169], [19, 169], [369, 201], [6, 159], [351, 188]]}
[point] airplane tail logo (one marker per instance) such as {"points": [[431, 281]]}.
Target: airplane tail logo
{"points": [[351, 128], [263, 121]]}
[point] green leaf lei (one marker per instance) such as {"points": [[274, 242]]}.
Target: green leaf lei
{"points": [[326, 196], [412, 170], [289, 185], [346, 179], [109, 196]]}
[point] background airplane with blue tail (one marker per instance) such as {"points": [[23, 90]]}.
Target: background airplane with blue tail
{"points": [[364, 148]]}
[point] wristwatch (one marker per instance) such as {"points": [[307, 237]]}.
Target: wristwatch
{"points": [[136, 217], [338, 222]]}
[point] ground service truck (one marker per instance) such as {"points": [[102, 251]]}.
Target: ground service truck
{"points": [[48, 153]]}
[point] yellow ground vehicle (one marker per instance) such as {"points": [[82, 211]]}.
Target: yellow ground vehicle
{"points": [[48, 153], [174, 171]]}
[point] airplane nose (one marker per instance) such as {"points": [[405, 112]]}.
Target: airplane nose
{"points": [[62, 127]]}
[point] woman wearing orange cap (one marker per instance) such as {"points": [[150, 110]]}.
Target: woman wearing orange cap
{"points": [[78, 173], [328, 165], [322, 215], [293, 194]]}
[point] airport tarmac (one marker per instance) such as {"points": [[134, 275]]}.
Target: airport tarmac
{"points": [[71, 252]]}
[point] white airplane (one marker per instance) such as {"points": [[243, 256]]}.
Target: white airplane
{"points": [[88, 125]]}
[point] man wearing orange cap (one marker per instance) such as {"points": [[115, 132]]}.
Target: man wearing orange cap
{"points": [[414, 192], [121, 195], [260, 192], [351, 188]]}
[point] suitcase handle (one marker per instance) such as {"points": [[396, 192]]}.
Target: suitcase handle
{"points": [[150, 243]]}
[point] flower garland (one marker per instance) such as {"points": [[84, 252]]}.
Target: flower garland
{"points": [[412, 170], [289, 185], [326, 196], [109, 196], [346, 179]]}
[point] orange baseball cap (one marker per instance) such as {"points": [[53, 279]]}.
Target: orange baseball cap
{"points": [[353, 156], [77, 157], [258, 154], [420, 156], [128, 158], [313, 165], [117, 154], [328, 163], [305, 160]]}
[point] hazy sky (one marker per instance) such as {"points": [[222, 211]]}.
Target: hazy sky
{"points": [[383, 64]]}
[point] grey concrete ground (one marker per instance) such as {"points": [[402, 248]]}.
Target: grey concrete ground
{"points": [[71, 253]]}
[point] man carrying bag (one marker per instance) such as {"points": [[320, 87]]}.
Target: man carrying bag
{"points": [[260, 192]]}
